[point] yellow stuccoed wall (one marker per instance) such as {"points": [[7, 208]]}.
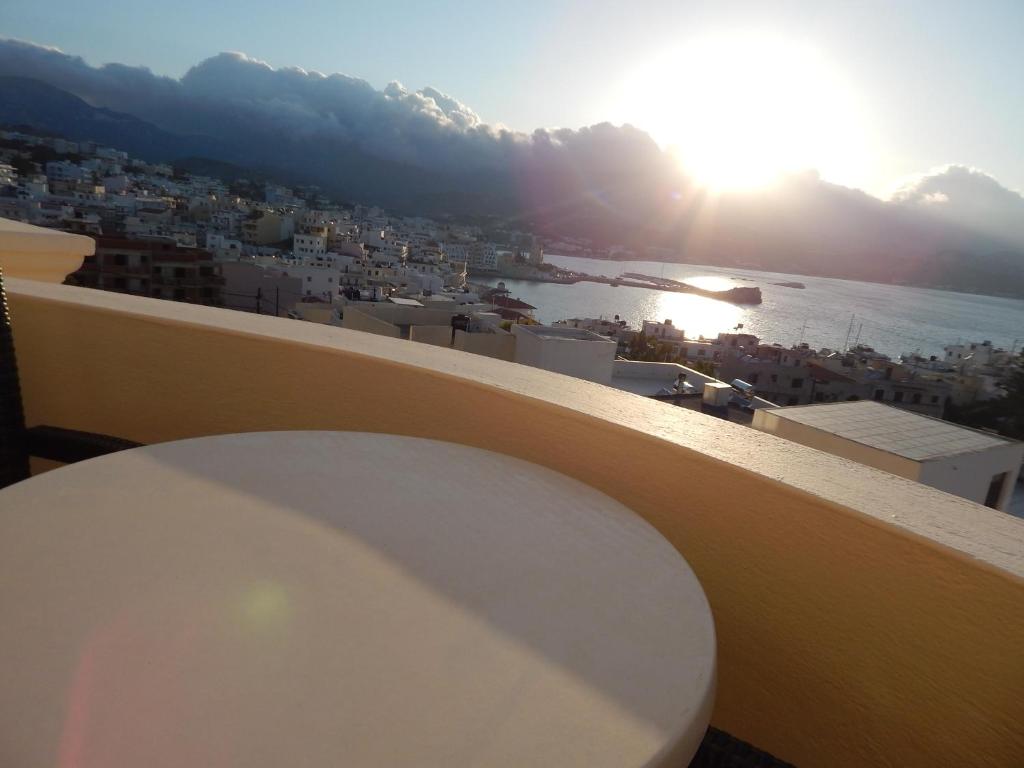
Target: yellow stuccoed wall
{"points": [[845, 637]]}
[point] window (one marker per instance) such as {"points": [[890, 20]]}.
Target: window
{"points": [[330, 279], [775, 378], [879, 394], [179, 272], [995, 490], [309, 279], [915, 398], [897, 397], [753, 378], [935, 398], [120, 259], [797, 383]]}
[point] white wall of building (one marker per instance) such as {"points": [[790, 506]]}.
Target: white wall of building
{"points": [[305, 246], [665, 330], [578, 353], [967, 474], [321, 282], [970, 474]]}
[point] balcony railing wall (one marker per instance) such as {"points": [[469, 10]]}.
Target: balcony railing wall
{"points": [[862, 619]]}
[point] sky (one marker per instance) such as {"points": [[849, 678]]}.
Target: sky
{"points": [[910, 85]]}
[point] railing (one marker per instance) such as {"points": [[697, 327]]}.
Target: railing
{"points": [[862, 619]]}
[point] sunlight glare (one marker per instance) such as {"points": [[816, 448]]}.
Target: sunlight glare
{"points": [[740, 110], [697, 315]]}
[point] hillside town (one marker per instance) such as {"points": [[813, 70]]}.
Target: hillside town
{"points": [[266, 248]]}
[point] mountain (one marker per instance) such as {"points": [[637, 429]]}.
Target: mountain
{"points": [[425, 153], [28, 102]]}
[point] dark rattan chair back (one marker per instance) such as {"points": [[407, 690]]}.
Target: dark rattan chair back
{"points": [[13, 435]]}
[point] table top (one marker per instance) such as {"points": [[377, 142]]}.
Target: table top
{"points": [[337, 598]]}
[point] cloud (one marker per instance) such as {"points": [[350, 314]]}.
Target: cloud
{"points": [[425, 151], [231, 95], [967, 196]]}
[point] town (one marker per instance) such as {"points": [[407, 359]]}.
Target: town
{"points": [[266, 248]]}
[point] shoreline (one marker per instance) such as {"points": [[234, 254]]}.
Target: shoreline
{"points": [[764, 270], [740, 295]]}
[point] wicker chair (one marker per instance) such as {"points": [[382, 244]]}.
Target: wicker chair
{"points": [[18, 442], [720, 750]]}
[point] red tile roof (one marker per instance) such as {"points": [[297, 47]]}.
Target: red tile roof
{"points": [[509, 303]]}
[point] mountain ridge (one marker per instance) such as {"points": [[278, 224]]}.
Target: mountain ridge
{"points": [[802, 226]]}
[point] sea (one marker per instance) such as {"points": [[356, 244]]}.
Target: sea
{"points": [[832, 313]]}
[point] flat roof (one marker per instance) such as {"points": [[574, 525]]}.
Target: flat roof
{"points": [[563, 332], [893, 430]]}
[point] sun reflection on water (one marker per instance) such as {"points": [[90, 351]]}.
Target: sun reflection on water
{"points": [[697, 315], [710, 282]]}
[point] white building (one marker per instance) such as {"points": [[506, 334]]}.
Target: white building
{"points": [[223, 247], [321, 282], [572, 351], [253, 287], [664, 331], [483, 257], [456, 251], [62, 170], [305, 246], [116, 184], [975, 354], [599, 325], [8, 176], [976, 465]]}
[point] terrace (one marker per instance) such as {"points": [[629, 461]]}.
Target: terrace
{"points": [[861, 618]]}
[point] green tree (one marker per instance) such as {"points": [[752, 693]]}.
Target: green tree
{"points": [[1004, 414]]}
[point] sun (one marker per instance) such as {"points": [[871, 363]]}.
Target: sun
{"points": [[742, 109]]}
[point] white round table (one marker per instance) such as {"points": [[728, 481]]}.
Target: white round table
{"points": [[341, 599]]}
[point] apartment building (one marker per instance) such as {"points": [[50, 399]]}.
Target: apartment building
{"points": [[158, 268]]}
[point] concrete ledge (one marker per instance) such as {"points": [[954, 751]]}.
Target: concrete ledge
{"points": [[38, 253], [862, 618]]}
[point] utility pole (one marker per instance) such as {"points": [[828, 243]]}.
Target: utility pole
{"points": [[259, 299]]}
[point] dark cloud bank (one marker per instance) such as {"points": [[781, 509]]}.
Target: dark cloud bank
{"points": [[424, 151]]}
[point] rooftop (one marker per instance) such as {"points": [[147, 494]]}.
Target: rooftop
{"points": [[893, 430], [563, 332]]}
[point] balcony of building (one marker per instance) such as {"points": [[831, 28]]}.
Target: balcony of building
{"points": [[861, 619]]}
